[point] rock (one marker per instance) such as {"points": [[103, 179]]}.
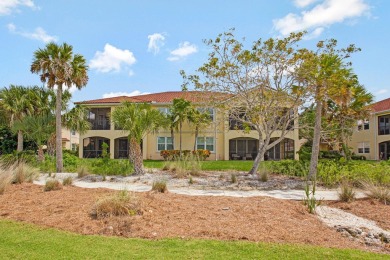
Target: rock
{"points": [[385, 238]]}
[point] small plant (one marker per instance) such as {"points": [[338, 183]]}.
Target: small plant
{"points": [[190, 181], [52, 184], [160, 186], [122, 203], [82, 171], [5, 178], [67, 181], [377, 191], [233, 178], [310, 200], [221, 177], [263, 174], [346, 193]]}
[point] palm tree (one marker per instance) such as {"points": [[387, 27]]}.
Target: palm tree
{"points": [[58, 66], [77, 119], [199, 120], [16, 102], [38, 128], [139, 120], [181, 111]]}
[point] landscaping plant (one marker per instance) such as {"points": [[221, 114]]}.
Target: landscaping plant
{"points": [[52, 184]]}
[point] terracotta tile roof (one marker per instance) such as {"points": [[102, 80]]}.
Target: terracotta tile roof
{"points": [[382, 105], [162, 97]]}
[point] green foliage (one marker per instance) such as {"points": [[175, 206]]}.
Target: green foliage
{"points": [[310, 200], [122, 203], [233, 178], [52, 184], [82, 171], [24, 172], [159, 186], [8, 141]]}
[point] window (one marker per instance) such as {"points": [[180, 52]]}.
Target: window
{"points": [[165, 110], [206, 143], [99, 118], [207, 110], [384, 125], [73, 132], [74, 147], [364, 147], [164, 143], [363, 125]]}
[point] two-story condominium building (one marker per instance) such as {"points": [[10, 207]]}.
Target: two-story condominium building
{"points": [[222, 137], [371, 137]]}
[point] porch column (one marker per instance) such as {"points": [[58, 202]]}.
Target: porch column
{"points": [[112, 148]]}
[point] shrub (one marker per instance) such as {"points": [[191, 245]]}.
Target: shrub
{"points": [[377, 191], [190, 181], [346, 193], [233, 178], [358, 157], [310, 200], [202, 154], [171, 155], [52, 184], [263, 173], [6, 177], [67, 181], [160, 186], [24, 173], [122, 203], [182, 167]]}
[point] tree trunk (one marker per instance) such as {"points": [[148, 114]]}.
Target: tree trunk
{"points": [[51, 145], [173, 138], [41, 156], [20, 141], [180, 139], [59, 129], [136, 156], [315, 150], [196, 136], [259, 158]]}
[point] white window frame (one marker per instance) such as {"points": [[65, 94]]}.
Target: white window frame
{"points": [[363, 148], [165, 143], [210, 110], [164, 110], [204, 143]]}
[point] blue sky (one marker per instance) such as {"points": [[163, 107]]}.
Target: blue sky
{"points": [[140, 46]]}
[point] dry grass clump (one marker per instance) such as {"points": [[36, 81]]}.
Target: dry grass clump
{"points": [[82, 171], [67, 181], [24, 172], [122, 203], [233, 178], [52, 184], [6, 178], [346, 193], [159, 186], [377, 191], [182, 167]]}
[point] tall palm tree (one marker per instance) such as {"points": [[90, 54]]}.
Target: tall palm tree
{"points": [[139, 120], [57, 66], [181, 111], [15, 101], [199, 120]]}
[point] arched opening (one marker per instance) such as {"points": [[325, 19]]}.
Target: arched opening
{"points": [[93, 146], [384, 150], [282, 150], [121, 146]]}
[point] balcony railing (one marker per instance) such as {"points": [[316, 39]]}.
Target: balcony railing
{"points": [[100, 124]]}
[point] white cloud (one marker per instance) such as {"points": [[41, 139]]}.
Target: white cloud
{"points": [[185, 49], [131, 73], [156, 41], [111, 59], [8, 6], [381, 91], [118, 94], [38, 34], [322, 15], [304, 3]]}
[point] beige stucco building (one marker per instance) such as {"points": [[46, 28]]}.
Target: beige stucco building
{"points": [[371, 137], [221, 138], [70, 139]]}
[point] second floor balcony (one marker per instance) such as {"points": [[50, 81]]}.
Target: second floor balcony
{"points": [[100, 118]]}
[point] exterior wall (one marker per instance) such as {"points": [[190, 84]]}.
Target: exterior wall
{"points": [[69, 139], [218, 129], [371, 136]]}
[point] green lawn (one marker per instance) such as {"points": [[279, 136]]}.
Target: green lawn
{"points": [[25, 241]]}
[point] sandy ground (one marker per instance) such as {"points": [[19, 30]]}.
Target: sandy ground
{"points": [[172, 215]]}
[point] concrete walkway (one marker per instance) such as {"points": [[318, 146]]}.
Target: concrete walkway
{"points": [[328, 194]]}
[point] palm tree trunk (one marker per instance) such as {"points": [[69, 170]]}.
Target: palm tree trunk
{"points": [[20, 141], [136, 156], [173, 138], [315, 150], [59, 129], [41, 156]]}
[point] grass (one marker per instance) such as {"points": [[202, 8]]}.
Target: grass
{"points": [[26, 241], [160, 186], [377, 191], [52, 184]]}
